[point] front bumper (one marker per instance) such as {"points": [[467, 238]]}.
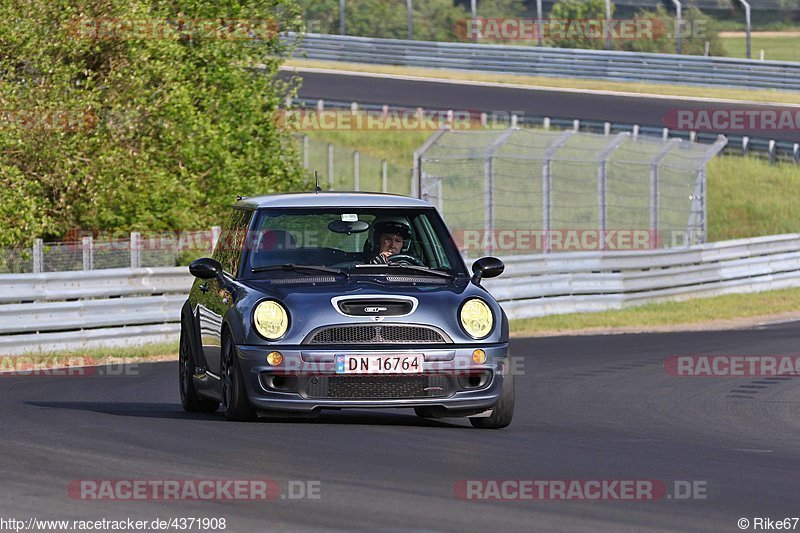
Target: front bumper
{"points": [[450, 383]]}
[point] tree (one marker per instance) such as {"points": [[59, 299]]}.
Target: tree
{"points": [[139, 114], [569, 24], [697, 28]]}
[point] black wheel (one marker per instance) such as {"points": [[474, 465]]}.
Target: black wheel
{"points": [[190, 400], [234, 396], [424, 412], [503, 410]]}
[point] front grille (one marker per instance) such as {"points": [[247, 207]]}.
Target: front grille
{"points": [[378, 387], [377, 334]]}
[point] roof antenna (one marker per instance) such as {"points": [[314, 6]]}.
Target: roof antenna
{"points": [[317, 190]]}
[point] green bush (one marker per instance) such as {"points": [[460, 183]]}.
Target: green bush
{"points": [[697, 28], [159, 134]]}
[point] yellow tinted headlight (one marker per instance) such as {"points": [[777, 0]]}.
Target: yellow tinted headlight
{"points": [[476, 318], [271, 320]]}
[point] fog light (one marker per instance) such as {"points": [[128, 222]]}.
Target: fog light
{"points": [[479, 356], [275, 358]]}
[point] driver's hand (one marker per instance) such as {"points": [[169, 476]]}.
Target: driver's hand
{"points": [[386, 255]]}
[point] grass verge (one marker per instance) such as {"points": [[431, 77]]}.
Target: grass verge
{"points": [[766, 95], [776, 47], [732, 310], [96, 356]]}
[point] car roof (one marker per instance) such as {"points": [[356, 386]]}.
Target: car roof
{"points": [[330, 199]]}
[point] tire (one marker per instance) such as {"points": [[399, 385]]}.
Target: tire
{"points": [[190, 400], [235, 403], [503, 410]]}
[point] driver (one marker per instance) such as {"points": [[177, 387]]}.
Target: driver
{"points": [[389, 238]]}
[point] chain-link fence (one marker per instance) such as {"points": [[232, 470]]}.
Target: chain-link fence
{"points": [[522, 191], [133, 250], [345, 169]]}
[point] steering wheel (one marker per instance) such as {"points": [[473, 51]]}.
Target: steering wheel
{"points": [[404, 258]]}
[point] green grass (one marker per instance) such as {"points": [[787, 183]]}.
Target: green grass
{"points": [[747, 197], [777, 48], [103, 355], [698, 311]]}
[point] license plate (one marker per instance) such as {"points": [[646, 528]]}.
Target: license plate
{"points": [[379, 364]]}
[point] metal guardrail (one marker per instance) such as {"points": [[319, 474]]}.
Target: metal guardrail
{"points": [[573, 282], [556, 62], [121, 307]]}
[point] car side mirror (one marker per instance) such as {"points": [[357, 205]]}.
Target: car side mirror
{"points": [[205, 268], [486, 267]]}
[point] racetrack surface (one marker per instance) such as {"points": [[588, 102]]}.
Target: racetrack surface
{"points": [[623, 109], [599, 407]]}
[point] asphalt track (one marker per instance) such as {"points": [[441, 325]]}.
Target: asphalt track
{"points": [[532, 102], [598, 407]]}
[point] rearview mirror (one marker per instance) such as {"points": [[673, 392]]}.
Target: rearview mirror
{"points": [[205, 268], [486, 267]]}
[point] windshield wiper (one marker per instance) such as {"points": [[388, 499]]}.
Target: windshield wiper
{"points": [[415, 268], [292, 266]]}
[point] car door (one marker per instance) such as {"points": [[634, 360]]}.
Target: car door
{"points": [[213, 297]]}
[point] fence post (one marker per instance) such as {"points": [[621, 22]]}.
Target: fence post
{"points": [[136, 249], [356, 171], [330, 166], [38, 256], [305, 151], [384, 177], [654, 192], [417, 172], [602, 179], [87, 247], [547, 185], [488, 188], [216, 232]]}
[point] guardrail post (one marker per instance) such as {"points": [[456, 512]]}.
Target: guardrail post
{"points": [[796, 152], [354, 107], [635, 131], [384, 177], [606, 129], [136, 249], [216, 232], [772, 152], [320, 105], [665, 134], [330, 166], [356, 171], [546, 123], [305, 151], [87, 247], [576, 124], [38, 255], [745, 144]]}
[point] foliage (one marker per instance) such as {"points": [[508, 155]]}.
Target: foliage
{"points": [[567, 11], [106, 130], [696, 28]]}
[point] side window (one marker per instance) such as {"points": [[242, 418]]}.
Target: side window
{"points": [[231, 242]]}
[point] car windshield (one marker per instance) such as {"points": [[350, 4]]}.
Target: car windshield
{"points": [[350, 241]]}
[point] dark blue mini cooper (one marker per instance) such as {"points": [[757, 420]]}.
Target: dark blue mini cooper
{"points": [[343, 300]]}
